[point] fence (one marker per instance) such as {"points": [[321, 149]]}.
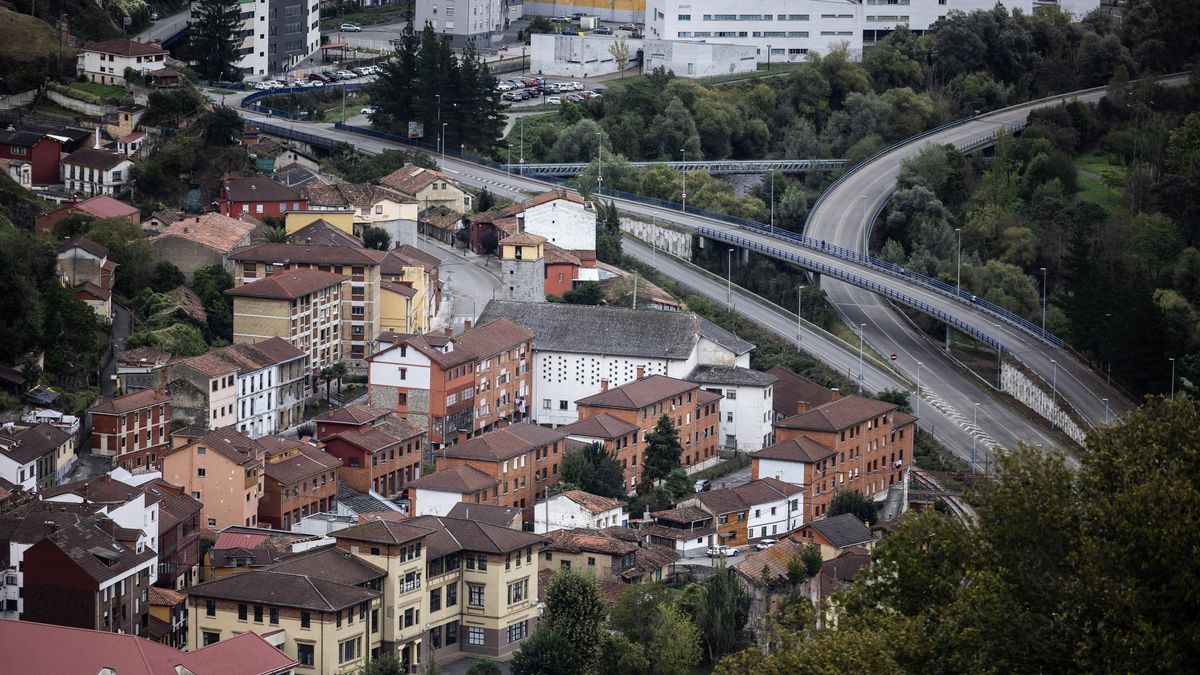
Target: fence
{"points": [[248, 103]]}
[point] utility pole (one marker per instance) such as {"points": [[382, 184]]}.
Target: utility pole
{"points": [[683, 172], [600, 162], [862, 329], [1043, 302], [799, 315], [919, 364], [958, 274], [729, 280], [772, 176]]}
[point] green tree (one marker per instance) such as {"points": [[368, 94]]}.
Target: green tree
{"points": [[594, 470], [811, 557], [484, 202], [383, 665], [179, 339], [165, 277], [679, 483], [662, 453], [897, 396], [377, 238], [576, 611], [127, 246], [722, 611], [213, 41], [636, 609], [674, 647], [210, 283], [1183, 145], [674, 130], [586, 293], [328, 375], [483, 667], [619, 50], [547, 652], [850, 501], [619, 655], [223, 127]]}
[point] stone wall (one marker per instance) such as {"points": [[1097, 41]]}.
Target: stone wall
{"points": [[678, 244], [523, 280], [1039, 397], [78, 106], [17, 100]]}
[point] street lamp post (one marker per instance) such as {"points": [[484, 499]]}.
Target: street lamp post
{"points": [[729, 280], [958, 265], [600, 162], [1054, 380], [439, 100], [862, 328], [799, 314], [772, 177], [919, 364], [768, 58], [1105, 410], [999, 379], [1172, 359], [1043, 302], [683, 172], [975, 425], [521, 157], [508, 166], [444, 144]]}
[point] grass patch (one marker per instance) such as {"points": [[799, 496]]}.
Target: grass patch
{"points": [[740, 461], [1096, 192], [1098, 178], [100, 90], [369, 16]]}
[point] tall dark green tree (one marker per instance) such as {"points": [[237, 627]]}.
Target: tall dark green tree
{"points": [[593, 469], [576, 610], [213, 40], [662, 453]]}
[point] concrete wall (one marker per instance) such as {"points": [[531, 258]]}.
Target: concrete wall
{"points": [[185, 254], [79, 106], [678, 244], [523, 280], [17, 100], [1039, 396], [699, 59], [624, 11], [576, 55]]}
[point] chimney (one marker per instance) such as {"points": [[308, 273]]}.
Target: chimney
{"points": [[466, 325], [449, 331], [722, 485], [97, 145], [834, 394], [641, 372], [603, 385], [801, 407]]}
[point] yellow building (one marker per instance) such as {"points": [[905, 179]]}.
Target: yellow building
{"points": [[323, 608], [429, 188], [479, 592], [409, 290], [342, 219], [627, 11], [371, 204]]}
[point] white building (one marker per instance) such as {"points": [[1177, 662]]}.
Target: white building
{"points": [[698, 59], [776, 508], [578, 509], [746, 407], [786, 30], [92, 171], [277, 35], [437, 493], [562, 217], [575, 347], [483, 21], [791, 461], [270, 386], [577, 55], [105, 62], [126, 505]]}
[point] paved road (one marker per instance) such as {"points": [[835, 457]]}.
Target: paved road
{"points": [[120, 330], [843, 218], [469, 282], [163, 28]]}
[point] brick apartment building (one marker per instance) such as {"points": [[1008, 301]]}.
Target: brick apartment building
{"points": [[299, 481], [620, 439], [694, 412], [384, 457], [134, 429]]}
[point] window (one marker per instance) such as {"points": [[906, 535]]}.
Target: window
{"points": [[210, 608], [242, 612], [435, 637], [349, 650], [435, 599], [200, 472], [258, 613], [518, 591], [475, 595], [482, 563], [591, 561], [474, 635], [211, 638], [305, 619], [545, 404], [305, 654], [562, 405], [408, 617], [274, 616], [451, 596], [518, 631]]}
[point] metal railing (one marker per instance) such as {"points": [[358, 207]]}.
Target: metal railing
{"points": [[715, 167], [248, 102]]}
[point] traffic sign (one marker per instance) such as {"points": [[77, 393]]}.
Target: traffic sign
{"points": [[893, 357]]}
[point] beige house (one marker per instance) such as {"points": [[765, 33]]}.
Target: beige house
{"points": [[195, 241], [410, 290], [480, 587], [429, 188], [373, 205], [302, 306], [203, 391], [322, 608], [359, 300], [223, 470]]}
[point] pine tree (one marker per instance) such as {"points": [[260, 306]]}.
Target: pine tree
{"points": [[395, 89], [213, 45], [662, 453]]}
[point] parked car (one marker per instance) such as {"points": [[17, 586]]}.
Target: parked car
{"points": [[530, 81], [504, 86], [577, 86], [313, 83], [570, 31], [603, 30], [345, 75], [554, 100], [349, 28], [562, 19], [154, 15], [722, 550], [318, 77], [764, 544], [359, 70], [598, 90], [702, 485], [370, 110], [627, 26], [510, 96], [574, 98]]}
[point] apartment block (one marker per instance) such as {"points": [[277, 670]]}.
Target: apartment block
{"points": [[525, 458], [134, 429], [383, 458]]}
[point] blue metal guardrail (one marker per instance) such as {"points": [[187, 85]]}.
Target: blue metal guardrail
{"points": [[807, 242], [248, 103], [288, 132]]}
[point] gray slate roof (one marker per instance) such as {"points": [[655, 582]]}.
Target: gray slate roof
{"points": [[723, 337], [843, 531], [360, 502], [734, 375], [613, 331]]}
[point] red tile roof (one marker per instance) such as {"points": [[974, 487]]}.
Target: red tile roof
{"points": [[91, 158], [354, 414], [101, 206], [802, 449], [839, 414], [791, 389], [593, 503], [505, 443], [639, 393], [288, 284], [412, 179], [138, 400], [123, 47], [399, 288], [303, 254], [603, 426], [460, 479], [251, 189], [213, 230]]}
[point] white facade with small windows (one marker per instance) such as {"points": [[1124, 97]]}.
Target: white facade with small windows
{"points": [[461, 20], [563, 222], [775, 519], [747, 415], [561, 512], [786, 30]]}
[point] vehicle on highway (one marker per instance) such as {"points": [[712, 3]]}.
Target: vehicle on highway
{"points": [[370, 110], [722, 550], [154, 15], [702, 485], [603, 30], [764, 544], [319, 77], [349, 28], [553, 100]]}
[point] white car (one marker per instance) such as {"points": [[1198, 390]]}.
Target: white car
{"points": [[722, 550], [313, 83], [345, 75], [349, 28], [554, 100], [764, 544], [369, 110], [504, 86]]}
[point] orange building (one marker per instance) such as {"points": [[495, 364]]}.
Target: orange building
{"points": [[619, 438], [849, 443], [694, 412], [525, 459]]}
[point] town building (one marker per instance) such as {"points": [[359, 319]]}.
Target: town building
{"points": [[19, 170], [223, 470], [430, 188], [237, 549], [451, 385], [522, 267], [333, 422], [106, 61], [277, 36], [372, 205], [178, 534], [258, 197], [93, 574], [438, 493], [94, 171], [37, 457], [383, 458], [21, 526], [500, 516], [203, 391], [836, 534], [409, 290], [611, 553], [765, 508], [301, 306], [359, 302], [623, 11], [577, 347], [687, 530], [459, 586], [326, 616], [562, 217], [168, 617], [479, 21], [578, 509], [856, 443], [128, 506], [747, 416], [88, 272], [790, 389], [620, 439], [100, 207], [525, 459], [440, 223], [299, 481], [58, 649], [133, 429], [693, 412], [134, 144], [43, 152], [195, 241]]}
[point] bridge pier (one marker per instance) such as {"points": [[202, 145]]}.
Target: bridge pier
{"points": [[745, 256], [949, 336]]}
